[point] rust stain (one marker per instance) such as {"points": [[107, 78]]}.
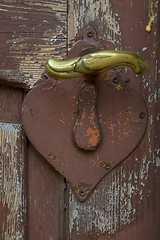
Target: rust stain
{"points": [[93, 132], [94, 136], [92, 115], [119, 87], [100, 118], [82, 186], [128, 116], [86, 130], [52, 157], [102, 164], [93, 162], [81, 123], [111, 127], [83, 115]]}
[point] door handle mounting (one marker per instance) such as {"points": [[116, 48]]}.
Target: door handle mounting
{"points": [[88, 65], [101, 113]]}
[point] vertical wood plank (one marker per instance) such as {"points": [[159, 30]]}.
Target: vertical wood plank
{"points": [[125, 205], [45, 199], [10, 104], [12, 182], [13, 205], [44, 203], [99, 13]]}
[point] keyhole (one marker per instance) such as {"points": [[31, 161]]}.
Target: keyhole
{"points": [[86, 131]]}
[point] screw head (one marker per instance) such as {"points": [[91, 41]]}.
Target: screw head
{"points": [[127, 80], [107, 166], [89, 34], [142, 115], [82, 193], [115, 80]]}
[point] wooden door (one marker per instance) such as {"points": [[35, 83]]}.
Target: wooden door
{"points": [[35, 200]]}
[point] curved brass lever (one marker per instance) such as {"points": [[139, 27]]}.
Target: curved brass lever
{"points": [[94, 63]]}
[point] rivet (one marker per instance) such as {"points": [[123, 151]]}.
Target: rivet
{"points": [[107, 166], [142, 115], [127, 80], [90, 34], [82, 192], [115, 80]]}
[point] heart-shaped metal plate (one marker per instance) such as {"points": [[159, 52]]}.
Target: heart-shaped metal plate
{"points": [[49, 114]]}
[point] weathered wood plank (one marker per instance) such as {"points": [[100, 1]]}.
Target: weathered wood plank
{"points": [[121, 205], [45, 199], [125, 205], [29, 55], [30, 32], [53, 5], [10, 105], [100, 14], [12, 182]]}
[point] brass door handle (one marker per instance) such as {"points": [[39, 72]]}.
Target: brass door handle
{"points": [[94, 63]]}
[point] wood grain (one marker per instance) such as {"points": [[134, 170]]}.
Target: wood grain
{"points": [[45, 199], [125, 205], [31, 191], [12, 182], [10, 104], [30, 32], [100, 14], [13, 201]]}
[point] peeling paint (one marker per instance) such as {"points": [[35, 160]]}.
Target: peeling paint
{"points": [[153, 97], [158, 161], [89, 11], [36, 31], [118, 190], [30, 5], [144, 49], [11, 180]]}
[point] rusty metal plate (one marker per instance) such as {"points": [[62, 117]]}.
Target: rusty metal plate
{"points": [[49, 113], [86, 131]]}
